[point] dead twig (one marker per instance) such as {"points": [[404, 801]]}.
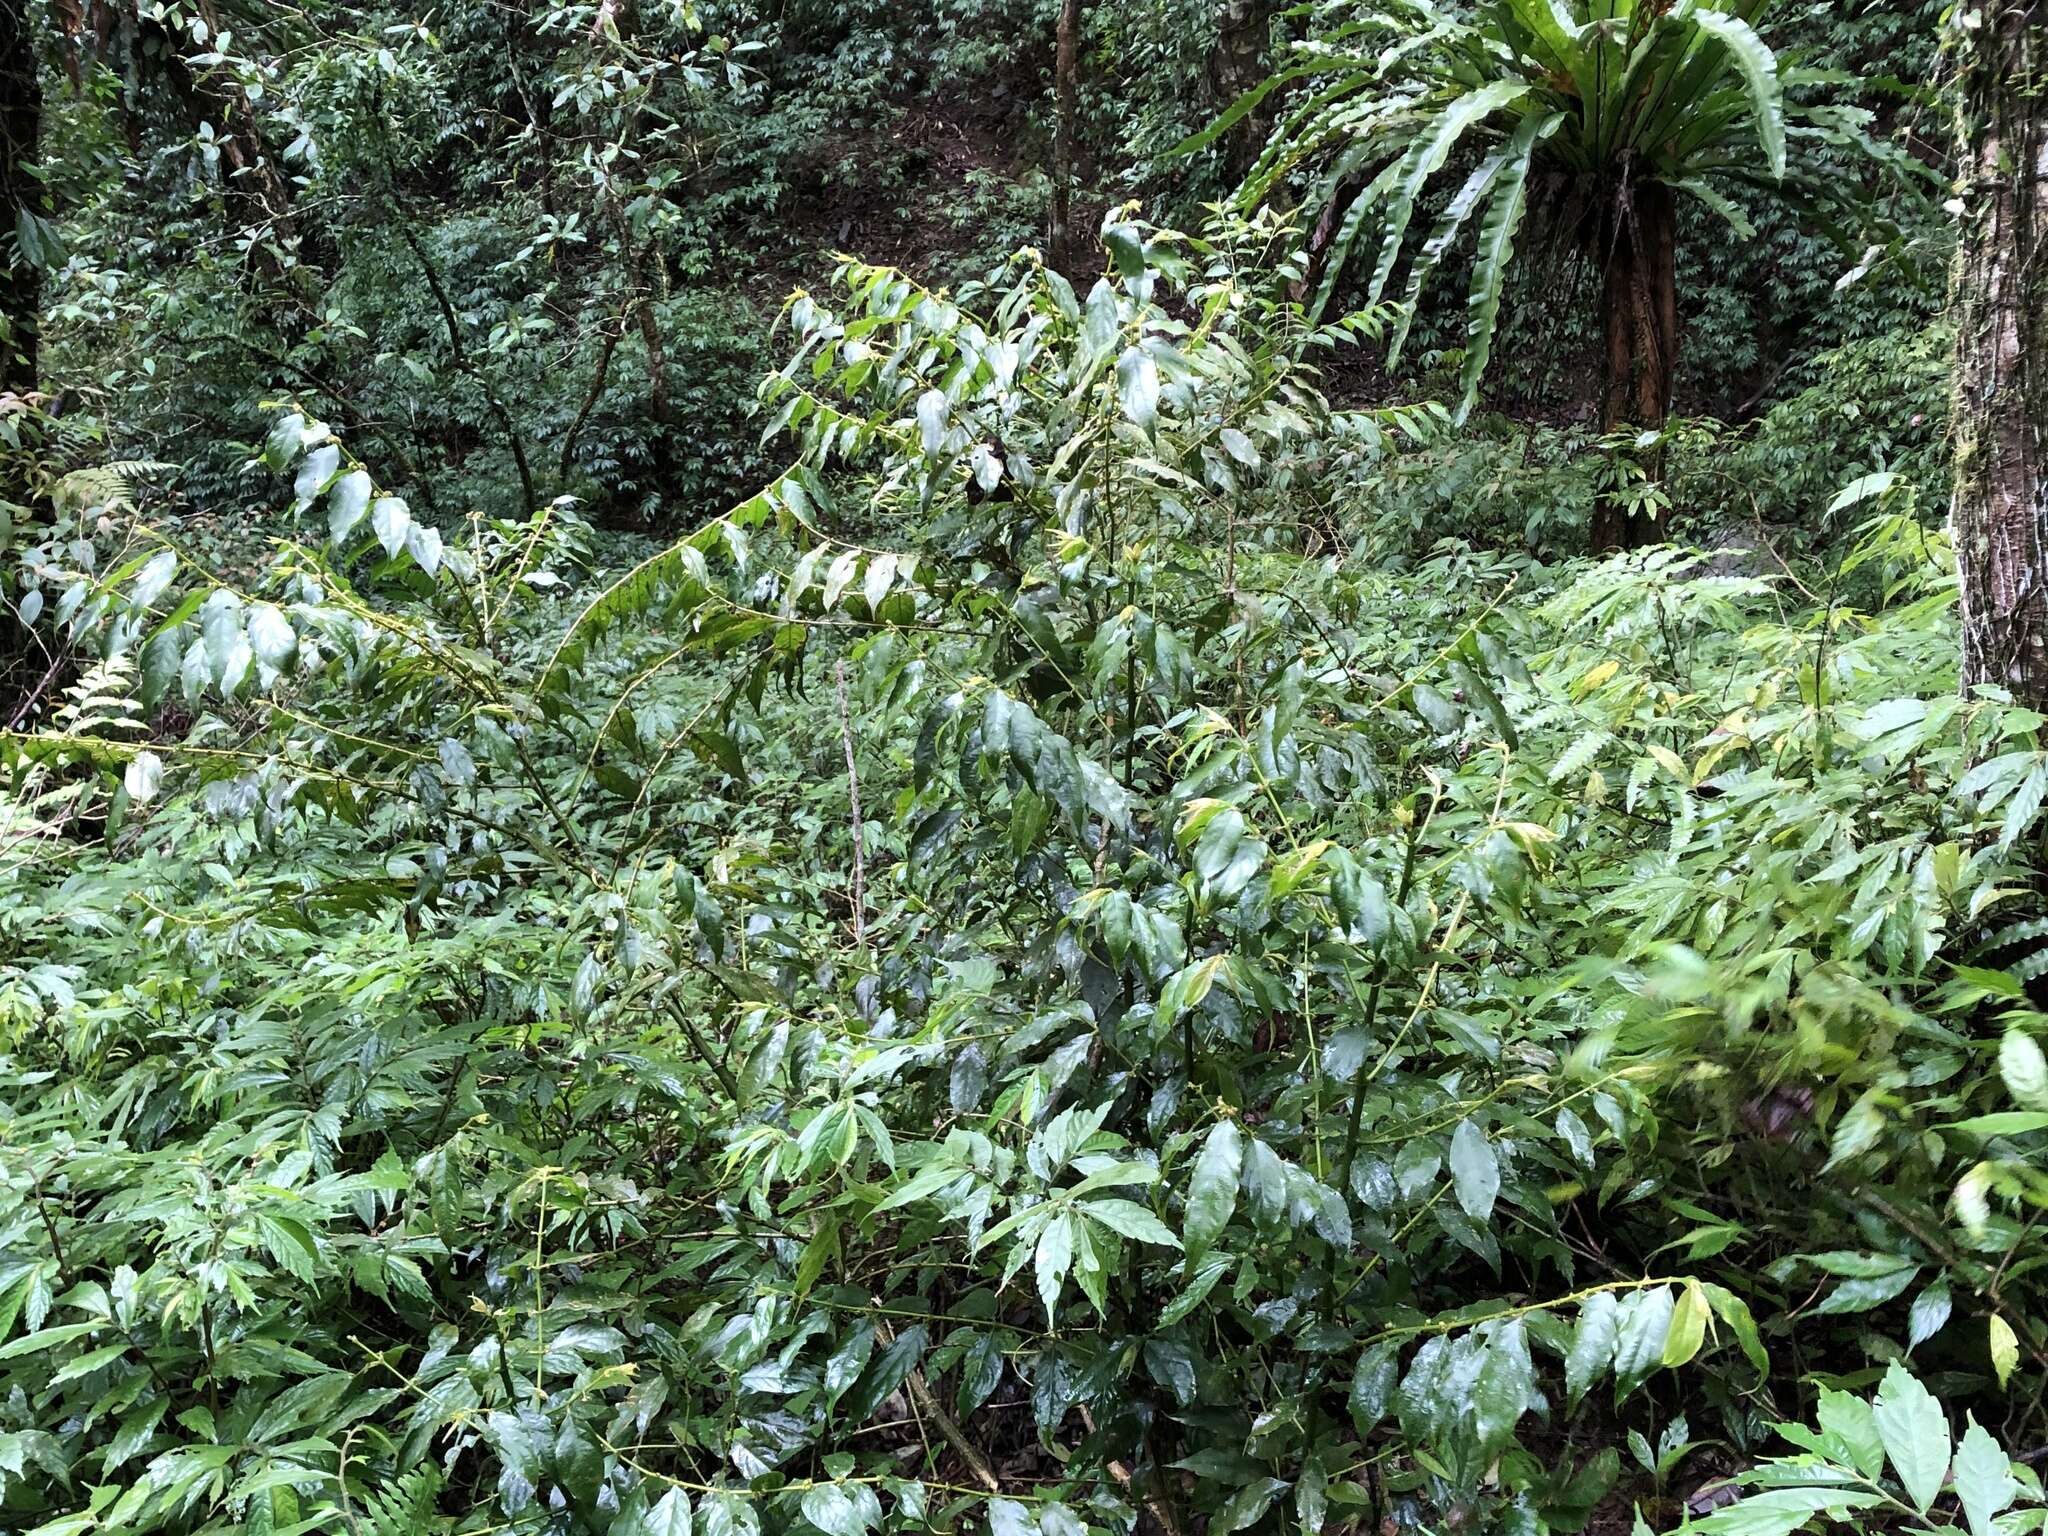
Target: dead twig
{"points": [[928, 1405]]}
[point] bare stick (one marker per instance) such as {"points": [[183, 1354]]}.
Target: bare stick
{"points": [[928, 1405]]}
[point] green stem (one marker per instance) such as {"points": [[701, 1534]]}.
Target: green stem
{"points": [[718, 1068], [1372, 1000]]}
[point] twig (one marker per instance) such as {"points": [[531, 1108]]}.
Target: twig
{"points": [[702, 1047], [859, 895], [1154, 1505], [34, 696], [457, 352], [928, 1405], [1955, 1261], [598, 379]]}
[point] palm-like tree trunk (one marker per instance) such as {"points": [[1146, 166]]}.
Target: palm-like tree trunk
{"points": [[1641, 312], [1999, 299], [21, 117]]}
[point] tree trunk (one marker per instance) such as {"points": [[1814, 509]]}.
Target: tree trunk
{"points": [[644, 262], [1999, 299], [1066, 108], [21, 116], [1244, 34], [1641, 303]]}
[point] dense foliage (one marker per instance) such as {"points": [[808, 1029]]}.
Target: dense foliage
{"points": [[1128, 940]]}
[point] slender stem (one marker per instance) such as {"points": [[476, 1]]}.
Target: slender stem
{"points": [[35, 1185], [718, 1068], [1416, 826], [540, 788], [859, 891]]}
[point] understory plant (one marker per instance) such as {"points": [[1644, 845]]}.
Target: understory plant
{"points": [[1011, 982]]}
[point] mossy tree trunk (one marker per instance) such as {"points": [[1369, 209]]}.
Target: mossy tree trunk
{"points": [[1640, 305], [1999, 300], [21, 118]]}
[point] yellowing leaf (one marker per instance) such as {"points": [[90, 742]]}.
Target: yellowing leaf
{"points": [[1688, 1328], [2005, 1348], [1597, 677], [1670, 762]]}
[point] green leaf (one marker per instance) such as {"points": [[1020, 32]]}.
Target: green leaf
{"points": [[884, 1375], [725, 1514], [1915, 1432], [47, 1338], [1928, 1315], [347, 502], [579, 1462], [1592, 1346], [144, 773], [1137, 387], [842, 1509], [931, 421], [1644, 1324], [1131, 1220], [2005, 1348], [392, 521], [270, 635], [162, 655], [1734, 1311], [1425, 157], [315, 472], [1511, 157], [1489, 269], [1053, 1258], [1860, 1294], [1212, 1190], [1475, 1170], [1205, 1272], [1507, 1379], [87, 1363], [286, 441], [719, 750], [1983, 1478], [2024, 1069], [1780, 1511], [670, 1515], [1231, 115], [1247, 1505], [1127, 246], [1688, 1327], [2010, 1122], [1848, 1422], [1265, 1181], [1186, 988], [1372, 1385]]}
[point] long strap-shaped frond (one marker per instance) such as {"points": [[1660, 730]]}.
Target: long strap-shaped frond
{"points": [[1425, 158], [1496, 247], [1758, 67], [1512, 157]]}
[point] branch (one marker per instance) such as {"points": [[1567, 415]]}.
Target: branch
{"points": [[926, 1403]]}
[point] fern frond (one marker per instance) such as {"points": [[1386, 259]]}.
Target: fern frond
{"points": [[104, 487], [406, 1507]]}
